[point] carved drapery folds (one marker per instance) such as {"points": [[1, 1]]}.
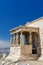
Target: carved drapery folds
{"points": [[21, 38]]}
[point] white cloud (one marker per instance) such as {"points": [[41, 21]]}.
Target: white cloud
{"points": [[4, 44]]}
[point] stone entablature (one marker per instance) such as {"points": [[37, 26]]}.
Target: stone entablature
{"points": [[24, 28]]}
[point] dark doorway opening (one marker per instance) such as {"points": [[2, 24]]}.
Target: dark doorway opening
{"points": [[34, 51]]}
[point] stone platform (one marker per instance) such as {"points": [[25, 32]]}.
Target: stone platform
{"points": [[23, 63]]}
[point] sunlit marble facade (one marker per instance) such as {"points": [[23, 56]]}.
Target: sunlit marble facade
{"points": [[26, 42]]}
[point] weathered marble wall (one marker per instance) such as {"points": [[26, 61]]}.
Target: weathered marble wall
{"points": [[38, 23]]}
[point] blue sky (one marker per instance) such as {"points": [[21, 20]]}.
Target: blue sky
{"points": [[17, 12]]}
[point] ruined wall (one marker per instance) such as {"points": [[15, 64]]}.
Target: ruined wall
{"points": [[26, 50]]}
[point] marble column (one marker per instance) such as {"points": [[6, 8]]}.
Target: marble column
{"points": [[30, 38], [21, 39], [11, 40], [24, 40], [14, 39], [17, 39]]}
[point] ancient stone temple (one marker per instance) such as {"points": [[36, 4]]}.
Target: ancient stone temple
{"points": [[26, 42]]}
